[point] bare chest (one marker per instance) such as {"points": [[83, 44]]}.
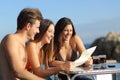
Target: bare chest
{"points": [[23, 55]]}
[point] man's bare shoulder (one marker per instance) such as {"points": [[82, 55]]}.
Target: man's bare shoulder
{"points": [[10, 40], [12, 37], [9, 37]]}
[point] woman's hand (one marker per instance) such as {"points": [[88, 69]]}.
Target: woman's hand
{"points": [[89, 62], [72, 65], [68, 66]]}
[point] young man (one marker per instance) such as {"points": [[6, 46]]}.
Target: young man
{"points": [[13, 56]]}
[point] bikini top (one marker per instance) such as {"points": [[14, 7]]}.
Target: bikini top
{"points": [[74, 56]]}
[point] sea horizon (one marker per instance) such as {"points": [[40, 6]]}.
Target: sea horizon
{"points": [[87, 45]]}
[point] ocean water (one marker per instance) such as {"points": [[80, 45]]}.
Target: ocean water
{"points": [[87, 45]]}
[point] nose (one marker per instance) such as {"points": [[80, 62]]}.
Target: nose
{"points": [[53, 35], [68, 32]]}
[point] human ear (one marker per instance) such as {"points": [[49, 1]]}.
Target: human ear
{"points": [[28, 26]]}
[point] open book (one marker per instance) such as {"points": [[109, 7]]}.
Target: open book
{"points": [[85, 56]]}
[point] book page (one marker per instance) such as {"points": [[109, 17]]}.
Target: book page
{"points": [[85, 56]]}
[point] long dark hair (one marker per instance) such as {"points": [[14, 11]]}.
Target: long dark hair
{"points": [[59, 27], [47, 48]]}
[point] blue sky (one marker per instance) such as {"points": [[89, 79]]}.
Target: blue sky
{"points": [[92, 18]]}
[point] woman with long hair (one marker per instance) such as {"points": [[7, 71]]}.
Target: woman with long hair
{"points": [[40, 51], [68, 46]]}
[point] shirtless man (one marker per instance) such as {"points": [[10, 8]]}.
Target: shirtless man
{"points": [[13, 56]]}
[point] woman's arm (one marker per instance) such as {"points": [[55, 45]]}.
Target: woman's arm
{"points": [[79, 44], [34, 60], [53, 70], [56, 63], [66, 66], [80, 48]]}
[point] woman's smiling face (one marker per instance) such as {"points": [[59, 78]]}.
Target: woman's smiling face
{"points": [[67, 33], [48, 36]]}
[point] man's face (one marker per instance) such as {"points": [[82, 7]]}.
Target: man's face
{"points": [[34, 30]]}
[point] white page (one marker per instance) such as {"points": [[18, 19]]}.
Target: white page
{"points": [[84, 56]]}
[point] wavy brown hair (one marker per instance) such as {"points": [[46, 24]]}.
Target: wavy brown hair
{"points": [[47, 48]]}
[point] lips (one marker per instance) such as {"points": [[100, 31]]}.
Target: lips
{"points": [[49, 39]]}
